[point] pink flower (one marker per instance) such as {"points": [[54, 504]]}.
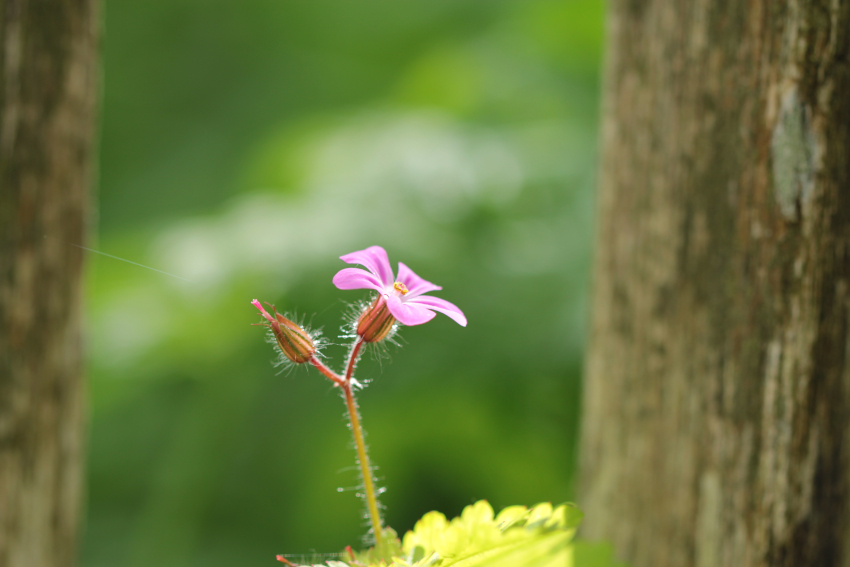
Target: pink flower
{"points": [[404, 296]]}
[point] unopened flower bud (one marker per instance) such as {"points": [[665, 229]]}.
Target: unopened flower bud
{"points": [[294, 342], [376, 322]]}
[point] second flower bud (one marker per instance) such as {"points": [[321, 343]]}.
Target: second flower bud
{"points": [[293, 341]]}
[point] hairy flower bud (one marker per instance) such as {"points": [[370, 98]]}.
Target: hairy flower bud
{"points": [[376, 321], [294, 342]]}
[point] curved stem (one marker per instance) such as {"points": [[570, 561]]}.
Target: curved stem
{"points": [[326, 371], [352, 358], [362, 454]]}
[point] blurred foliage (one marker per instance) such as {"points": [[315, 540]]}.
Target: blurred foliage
{"points": [[245, 147]]}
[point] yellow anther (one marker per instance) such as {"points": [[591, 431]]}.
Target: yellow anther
{"points": [[400, 287]]}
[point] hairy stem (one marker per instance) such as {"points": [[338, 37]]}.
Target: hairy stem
{"points": [[354, 418], [326, 371], [362, 455], [352, 358], [365, 468]]}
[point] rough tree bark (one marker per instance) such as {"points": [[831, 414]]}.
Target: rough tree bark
{"points": [[717, 396], [48, 85]]}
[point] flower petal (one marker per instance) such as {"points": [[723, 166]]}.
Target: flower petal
{"points": [[355, 278], [441, 305], [414, 284], [408, 314], [375, 260]]}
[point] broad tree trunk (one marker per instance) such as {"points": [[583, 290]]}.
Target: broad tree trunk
{"points": [[718, 383], [48, 80]]}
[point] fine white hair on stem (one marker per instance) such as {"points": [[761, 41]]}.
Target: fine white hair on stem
{"points": [[361, 490]]}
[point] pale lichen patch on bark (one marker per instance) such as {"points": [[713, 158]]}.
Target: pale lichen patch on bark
{"points": [[793, 149]]}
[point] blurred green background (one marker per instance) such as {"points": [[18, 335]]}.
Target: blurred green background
{"points": [[245, 147]]}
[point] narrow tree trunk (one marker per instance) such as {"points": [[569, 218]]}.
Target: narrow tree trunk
{"points": [[48, 78], [718, 383]]}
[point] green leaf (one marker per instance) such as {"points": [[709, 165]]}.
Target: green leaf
{"points": [[541, 536]]}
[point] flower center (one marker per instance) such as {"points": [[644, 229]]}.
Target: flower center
{"points": [[400, 287]]}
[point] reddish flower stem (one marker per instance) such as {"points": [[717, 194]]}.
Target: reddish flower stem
{"points": [[352, 358], [327, 371]]}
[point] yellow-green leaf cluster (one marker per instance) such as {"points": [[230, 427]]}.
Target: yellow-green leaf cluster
{"points": [[540, 536]]}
